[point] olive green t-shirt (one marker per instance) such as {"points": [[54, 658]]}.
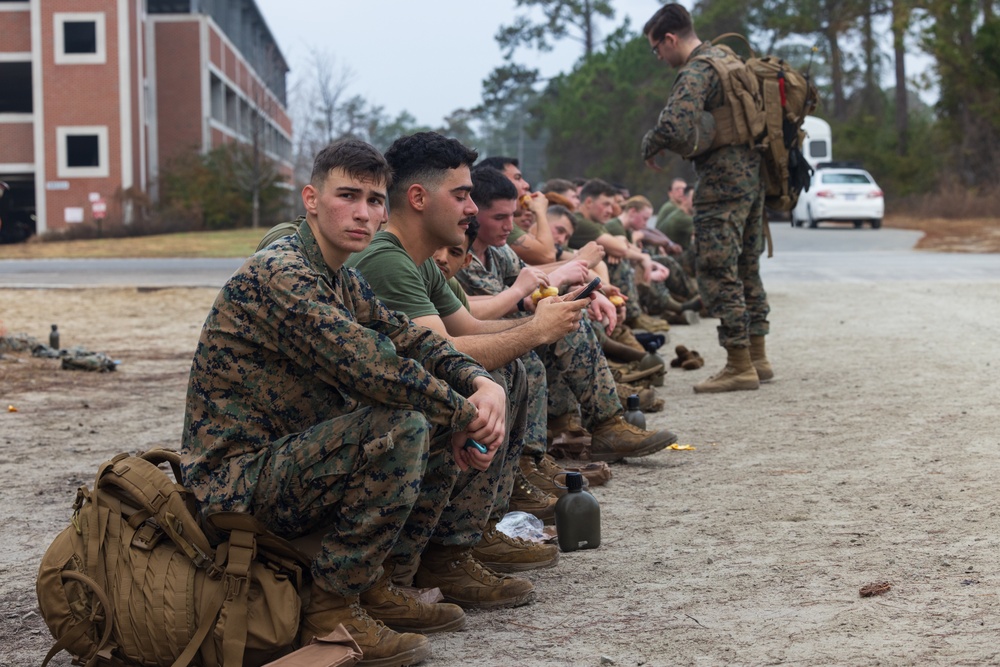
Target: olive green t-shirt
{"points": [[679, 226], [415, 291], [515, 234], [586, 231], [665, 211], [456, 287], [616, 227]]}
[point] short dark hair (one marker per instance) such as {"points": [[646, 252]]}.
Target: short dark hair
{"points": [[424, 157], [498, 162], [673, 19], [580, 180], [558, 185], [358, 160], [490, 184], [595, 187], [563, 212]]}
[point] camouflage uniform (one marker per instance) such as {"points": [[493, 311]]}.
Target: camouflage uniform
{"points": [[576, 372], [653, 297], [422, 290], [307, 407], [620, 271], [729, 204]]}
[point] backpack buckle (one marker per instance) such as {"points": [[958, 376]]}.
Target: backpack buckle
{"points": [[147, 536]]}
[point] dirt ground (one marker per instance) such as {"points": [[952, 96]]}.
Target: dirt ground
{"points": [[872, 457]]}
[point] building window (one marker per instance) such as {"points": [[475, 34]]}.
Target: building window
{"points": [[82, 152], [80, 38], [15, 87]]}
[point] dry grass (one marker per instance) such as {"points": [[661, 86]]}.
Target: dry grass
{"points": [[976, 235], [231, 243]]}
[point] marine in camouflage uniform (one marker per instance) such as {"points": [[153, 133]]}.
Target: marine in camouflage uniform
{"points": [[728, 199], [576, 374], [307, 407]]}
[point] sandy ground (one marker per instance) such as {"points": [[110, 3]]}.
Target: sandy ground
{"points": [[872, 457]]}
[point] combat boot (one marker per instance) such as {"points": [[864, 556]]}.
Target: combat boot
{"points": [[502, 553], [543, 479], [685, 317], [623, 334], [380, 646], [597, 473], [526, 497], [648, 323], [616, 439], [648, 401], [738, 374], [620, 351], [759, 358], [695, 304], [405, 613], [465, 581]]}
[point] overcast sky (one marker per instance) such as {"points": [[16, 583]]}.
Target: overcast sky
{"points": [[428, 57]]}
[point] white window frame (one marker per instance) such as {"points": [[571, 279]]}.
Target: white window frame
{"points": [[63, 58], [63, 170]]}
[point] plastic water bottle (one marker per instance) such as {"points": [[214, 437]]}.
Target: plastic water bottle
{"points": [[54, 338], [578, 517], [633, 415]]}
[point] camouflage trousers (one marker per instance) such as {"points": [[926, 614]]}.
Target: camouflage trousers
{"points": [[537, 408], [579, 377], [621, 273], [729, 240], [382, 482], [375, 480], [654, 297]]}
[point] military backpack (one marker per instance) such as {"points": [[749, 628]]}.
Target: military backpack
{"points": [[766, 102], [136, 580]]}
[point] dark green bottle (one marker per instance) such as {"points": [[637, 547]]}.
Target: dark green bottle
{"points": [[54, 338], [633, 415], [578, 517]]}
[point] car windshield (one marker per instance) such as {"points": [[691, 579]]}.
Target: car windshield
{"points": [[846, 179]]}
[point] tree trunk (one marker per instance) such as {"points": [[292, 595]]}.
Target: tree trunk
{"points": [[836, 73], [588, 29], [900, 23]]}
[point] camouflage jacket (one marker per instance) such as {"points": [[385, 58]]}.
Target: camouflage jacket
{"points": [[724, 174], [290, 344]]}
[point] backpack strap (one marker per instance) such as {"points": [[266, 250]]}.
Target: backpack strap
{"points": [[141, 482], [79, 629]]}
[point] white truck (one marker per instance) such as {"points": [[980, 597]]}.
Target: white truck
{"points": [[819, 141]]}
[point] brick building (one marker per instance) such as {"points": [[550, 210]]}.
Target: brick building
{"points": [[96, 95]]}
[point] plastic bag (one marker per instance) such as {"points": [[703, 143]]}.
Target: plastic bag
{"points": [[524, 525]]}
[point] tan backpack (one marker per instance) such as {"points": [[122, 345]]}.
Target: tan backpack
{"points": [[134, 579], [766, 102]]}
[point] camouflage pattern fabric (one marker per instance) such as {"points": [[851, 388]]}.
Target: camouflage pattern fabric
{"points": [[621, 273], [728, 200], [576, 372], [288, 348], [728, 243]]}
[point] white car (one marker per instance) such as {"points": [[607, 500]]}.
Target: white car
{"points": [[840, 194]]}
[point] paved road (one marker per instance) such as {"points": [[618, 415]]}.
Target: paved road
{"points": [[826, 254]]}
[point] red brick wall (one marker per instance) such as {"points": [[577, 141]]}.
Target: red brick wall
{"points": [[178, 88], [17, 143], [80, 95], [15, 31]]}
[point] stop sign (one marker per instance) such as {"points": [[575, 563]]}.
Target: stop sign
{"points": [[99, 208]]}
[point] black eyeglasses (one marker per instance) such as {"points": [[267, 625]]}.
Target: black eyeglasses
{"points": [[656, 47]]}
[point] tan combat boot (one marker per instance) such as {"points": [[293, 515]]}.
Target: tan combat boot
{"points": [[738, 374], [648, 401], [616, 439], [597, 473], [649, 323], [759, 358], [526, 497], [466, 582], [502, 553], [543, 479], [380, 646], [405, 613]]}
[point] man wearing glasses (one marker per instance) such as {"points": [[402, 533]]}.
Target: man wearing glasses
{"points": [[728, 199]]}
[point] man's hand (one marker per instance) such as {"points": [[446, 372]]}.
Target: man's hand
{"points": [[647, 268], [592, 254], [572, 272], [488, 428], [557, 316], [650, 151], [539, 204], [529, 279], [659, 272], [602, 310]]}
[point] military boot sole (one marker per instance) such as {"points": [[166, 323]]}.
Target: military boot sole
{"points": [[412, 657], [506, 603], [656, 445], [508, 568], [451, 626], [732, 384]]}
